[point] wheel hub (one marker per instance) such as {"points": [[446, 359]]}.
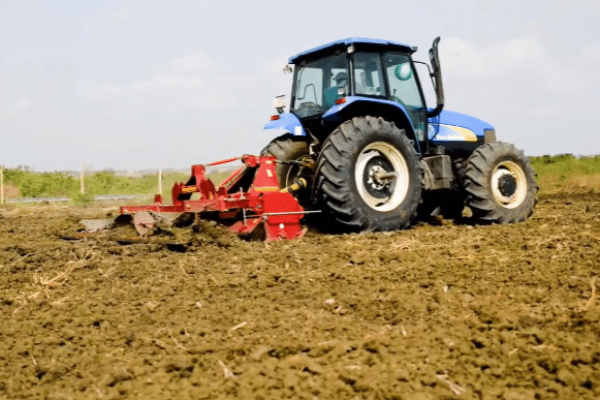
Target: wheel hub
{"points": [[380, 188], [507, 185]]}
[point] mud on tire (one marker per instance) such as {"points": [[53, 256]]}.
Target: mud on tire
{"points": [[500, 184], [348, 185]]}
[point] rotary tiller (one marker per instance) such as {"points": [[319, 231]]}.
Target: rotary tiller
{"points": [[249, 202]]}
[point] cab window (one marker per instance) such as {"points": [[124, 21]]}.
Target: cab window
{"points": [[317, 83], [368, 79]]}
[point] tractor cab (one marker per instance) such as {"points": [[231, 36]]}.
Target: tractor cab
{"points": [[322, 82], [332, 81]]}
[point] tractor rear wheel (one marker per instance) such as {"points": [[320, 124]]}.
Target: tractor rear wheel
{"points": [[500, 184], [286, 148], [368, 177]]}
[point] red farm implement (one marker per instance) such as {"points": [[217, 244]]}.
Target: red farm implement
{"points": [[249, 203]]}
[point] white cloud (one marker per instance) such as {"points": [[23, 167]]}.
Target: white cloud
{"points": [[519, 64], [191, 63], [560, 79], [201, 3], [165, 91], [126, 15], [552, 110], [169, 83], [185, 74], [188, 81], [591, 53], [107, 90], [499, 58], [530, 92], [15, 108]]}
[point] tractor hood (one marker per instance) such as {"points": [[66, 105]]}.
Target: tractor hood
{"points": [[452, 126]]}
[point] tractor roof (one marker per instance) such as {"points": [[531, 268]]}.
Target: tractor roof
{"points": [[348, 41]]}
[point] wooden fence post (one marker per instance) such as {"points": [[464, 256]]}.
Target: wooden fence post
{"points": [[81, 173], [1, 184], [160, 179]]}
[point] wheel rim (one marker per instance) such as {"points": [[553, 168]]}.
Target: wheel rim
{"points": [[509, 184], [381, 194]]}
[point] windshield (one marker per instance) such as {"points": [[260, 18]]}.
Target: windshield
{"points": [[317, 83]]}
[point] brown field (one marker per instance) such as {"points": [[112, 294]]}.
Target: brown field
{"points": [[441, 311]]}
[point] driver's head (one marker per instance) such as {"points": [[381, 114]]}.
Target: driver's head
{"points": [[341, 79]]}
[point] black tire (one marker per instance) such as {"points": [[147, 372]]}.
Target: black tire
{"points": [[500, 184], [365, 146], [286, 148]]}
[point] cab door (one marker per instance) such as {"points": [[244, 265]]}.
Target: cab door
{"points": [[404, 89]]}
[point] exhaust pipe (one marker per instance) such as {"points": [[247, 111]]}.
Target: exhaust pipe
{"points": [[436, 76]]}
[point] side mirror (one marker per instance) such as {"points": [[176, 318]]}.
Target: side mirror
{"points": [[279, 103], [287, 70]]}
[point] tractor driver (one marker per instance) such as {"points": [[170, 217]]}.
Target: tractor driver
{"points": [[330, 95], [341, 80]]}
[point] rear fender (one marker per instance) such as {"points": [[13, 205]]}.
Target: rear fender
{"points": [[289, 122], [355, 106]]}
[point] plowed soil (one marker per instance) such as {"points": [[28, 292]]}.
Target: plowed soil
{"points": [[440, 311]]}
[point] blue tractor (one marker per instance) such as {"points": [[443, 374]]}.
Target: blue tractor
{"points": [[362, 146]]}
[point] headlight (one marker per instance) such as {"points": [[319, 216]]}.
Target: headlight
{"points": [[279, 103]]}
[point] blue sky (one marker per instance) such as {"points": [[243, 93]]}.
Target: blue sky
{"points": [[134, 84]]}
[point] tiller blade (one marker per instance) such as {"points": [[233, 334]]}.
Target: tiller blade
{"points": [[249, 202]]}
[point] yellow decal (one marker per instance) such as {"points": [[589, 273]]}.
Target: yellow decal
{"points": [[269, 173], [267, 189], [467, 134]]}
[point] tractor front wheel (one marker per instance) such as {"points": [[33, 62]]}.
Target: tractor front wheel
{"points": [[368, 177], [500, 184]]}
